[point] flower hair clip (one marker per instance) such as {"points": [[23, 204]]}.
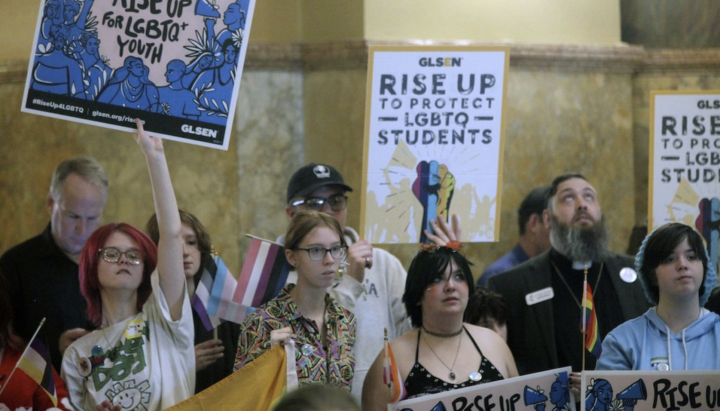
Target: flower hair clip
{"points": [[453, 246]]}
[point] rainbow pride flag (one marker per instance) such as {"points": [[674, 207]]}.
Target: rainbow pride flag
{"points": [[588, 323]]}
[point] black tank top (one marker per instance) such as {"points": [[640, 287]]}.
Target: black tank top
{"points": [[420, 382]]}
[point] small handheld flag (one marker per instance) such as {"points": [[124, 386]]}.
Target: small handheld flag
{"points": [[35, 362], [264, 273], [588, 324], [218, 296], [391, 374], [213, 295]]}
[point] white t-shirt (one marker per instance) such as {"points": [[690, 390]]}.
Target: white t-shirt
{"points": [[146, 362]]}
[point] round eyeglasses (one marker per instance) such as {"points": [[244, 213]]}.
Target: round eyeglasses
{"points": [[112, 255], [336, 203], [337, 252]]}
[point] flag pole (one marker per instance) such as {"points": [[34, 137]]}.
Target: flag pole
{"points": [[23, 354], [385, 370], [584, 318], [262, 239]]}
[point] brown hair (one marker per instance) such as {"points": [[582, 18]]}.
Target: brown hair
{"points": [[87, 168], [304, 222], [201, 233]]}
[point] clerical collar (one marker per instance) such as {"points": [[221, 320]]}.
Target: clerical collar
{"points": [[565, 264], [577, 265]]}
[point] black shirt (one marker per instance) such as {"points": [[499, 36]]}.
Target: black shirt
{"points": [[43, 282], [420, 382], [567, 313]]}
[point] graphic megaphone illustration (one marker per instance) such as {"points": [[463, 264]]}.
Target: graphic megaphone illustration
{"points": [[635, 391], [207, 9], [532, 397]]}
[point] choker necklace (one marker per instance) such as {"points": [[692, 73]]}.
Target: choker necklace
{"points": [[443, 335], [451, 375]]}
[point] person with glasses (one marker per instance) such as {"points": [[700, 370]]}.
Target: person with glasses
{"points": [[142, 355], [373, 279], [322, 330]]}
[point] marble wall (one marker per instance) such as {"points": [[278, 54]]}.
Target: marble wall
{"points": [[671, 24], [569, 108]]}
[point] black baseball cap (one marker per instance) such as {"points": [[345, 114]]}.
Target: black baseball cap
{"points": [[311, 177]]}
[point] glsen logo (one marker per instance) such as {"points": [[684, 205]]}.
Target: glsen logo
{"points": [[440, 62], [200, 131]]}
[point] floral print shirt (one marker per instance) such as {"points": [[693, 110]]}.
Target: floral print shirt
{"points": [[332, 364]]}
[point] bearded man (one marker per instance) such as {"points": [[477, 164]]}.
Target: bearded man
{"points": [[544, 294]]}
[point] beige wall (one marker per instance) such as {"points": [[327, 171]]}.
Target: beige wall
{"points": [[519, 21], [570, 107], [290, 21]]}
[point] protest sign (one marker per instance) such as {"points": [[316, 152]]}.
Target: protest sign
{"points": [[175, 64], [433, 141], [529, 392], [650, 390], [685, 163]]}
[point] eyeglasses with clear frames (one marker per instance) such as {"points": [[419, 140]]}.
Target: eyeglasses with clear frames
{"points": [[113, 255], [337, 252], [336, 203]]}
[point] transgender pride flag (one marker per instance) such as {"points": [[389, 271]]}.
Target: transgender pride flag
{"points": [[263, 275], [213, 295], [218, 296]]}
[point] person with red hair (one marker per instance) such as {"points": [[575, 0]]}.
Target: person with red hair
{"points": [[142, 355]]}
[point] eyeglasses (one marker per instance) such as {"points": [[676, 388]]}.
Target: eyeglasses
{"points": [[337, 252], [112, 255], [336, 203]]}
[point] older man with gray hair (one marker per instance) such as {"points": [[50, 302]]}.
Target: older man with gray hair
{"points": [[42, 272]]}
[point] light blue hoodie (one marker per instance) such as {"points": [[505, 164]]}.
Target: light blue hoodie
{"points": [[646, 343]]}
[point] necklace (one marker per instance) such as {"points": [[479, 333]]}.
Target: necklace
{"points": [[597, 282], [132, 94], [452, 373], [442, 335]]}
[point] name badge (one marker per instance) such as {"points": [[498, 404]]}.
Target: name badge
{"points": [[539, 296]]}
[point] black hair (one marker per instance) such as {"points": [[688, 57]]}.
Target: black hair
{"points": [[426, 267], [552, 190], [317, 397], [534, 203], [8, 339], [485, 303], [660, 244]]}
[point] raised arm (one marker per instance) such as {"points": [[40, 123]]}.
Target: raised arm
{"points": [[443, 232], [170, 254], [82, 18]]}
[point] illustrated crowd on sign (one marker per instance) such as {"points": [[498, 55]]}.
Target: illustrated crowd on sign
{"points": [[68, 62]]}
